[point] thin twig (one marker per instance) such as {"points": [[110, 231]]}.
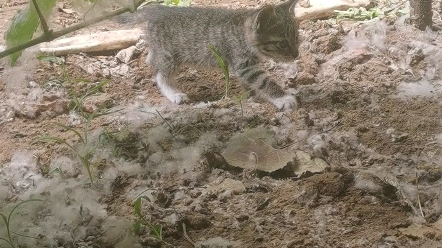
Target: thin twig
{"points": [[170, 126], [187, 236], [56, 34], [418, 198], [397, 6], [44, 24], [335, 125]]}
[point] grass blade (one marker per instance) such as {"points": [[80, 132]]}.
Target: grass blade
{"points": [[53, 139], [224, 67], [137, 207], [73, 130]]}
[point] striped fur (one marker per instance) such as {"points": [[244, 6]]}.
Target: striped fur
{"points": [[181, 36]]}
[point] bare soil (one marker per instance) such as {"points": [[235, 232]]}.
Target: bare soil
{"points": [[370, 107]]}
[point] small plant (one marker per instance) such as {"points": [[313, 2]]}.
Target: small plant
{"points": [[362, 14], [240, 98], [183, 3], [51, 59], [85, 157], [76, 103], [156, 230], [58, 61], [359, 14], [224, 67], [7, 220]]}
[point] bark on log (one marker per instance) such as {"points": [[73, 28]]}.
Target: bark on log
{"points": [[96, 42], [421, 13]]}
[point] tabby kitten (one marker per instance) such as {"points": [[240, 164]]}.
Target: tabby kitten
{"points": [[178, 36]]}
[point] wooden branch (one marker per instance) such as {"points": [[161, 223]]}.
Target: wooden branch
{"points": [[68, 30], [44, 24], [95, 42], [325, 8]]}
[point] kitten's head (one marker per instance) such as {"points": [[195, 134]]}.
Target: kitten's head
{"points": [[275, 31]]}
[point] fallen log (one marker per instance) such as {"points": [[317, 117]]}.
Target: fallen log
{"points": [[95, 42]]}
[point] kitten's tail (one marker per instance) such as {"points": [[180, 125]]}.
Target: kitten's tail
{"points": [[135, 17]]}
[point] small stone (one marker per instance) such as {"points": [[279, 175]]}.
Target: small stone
{"points": [[223, 197], [98, 101], [126, 55], [242, 217], [92, 231], [124, 70], [32, 84], [106, 72], [198, 222], [150, 242], [217, 242]]}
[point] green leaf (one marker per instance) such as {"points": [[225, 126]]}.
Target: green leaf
{"points": [[222, 64], [73, 130], [56, 170], [137, 207], [145, 198], [184, 3], [50, 58], [158, 231], [5, 219], [224, 67], [137, 227], [10, 244], [24, 24], [180, 3], [96, 88]]}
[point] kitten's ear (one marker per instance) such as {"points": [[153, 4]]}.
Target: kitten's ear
{"points": [[263, 18], [290, 5]]}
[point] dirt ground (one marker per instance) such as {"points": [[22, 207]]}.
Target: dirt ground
{"points": [[370, 108]]}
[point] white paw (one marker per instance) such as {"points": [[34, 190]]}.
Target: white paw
{"points": [[179, 98], [287, 102]]}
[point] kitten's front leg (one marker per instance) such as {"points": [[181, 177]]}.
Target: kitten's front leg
{"points": [[173, 94], [260, 81]]}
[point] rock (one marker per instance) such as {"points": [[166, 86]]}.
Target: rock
{"points": [[198, 221], [151, 242], [126, 55], [217, 242], [234, 186], [97, 102], [32, 84], [242, 217]]}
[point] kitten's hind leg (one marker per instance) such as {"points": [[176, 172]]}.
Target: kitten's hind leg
{"points": [[173, 94], [261, 82]]}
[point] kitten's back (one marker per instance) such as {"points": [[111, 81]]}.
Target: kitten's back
{"points": [[185, 33]]}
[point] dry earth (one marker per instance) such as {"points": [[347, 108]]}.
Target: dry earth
{"points": [[370, 108]]}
